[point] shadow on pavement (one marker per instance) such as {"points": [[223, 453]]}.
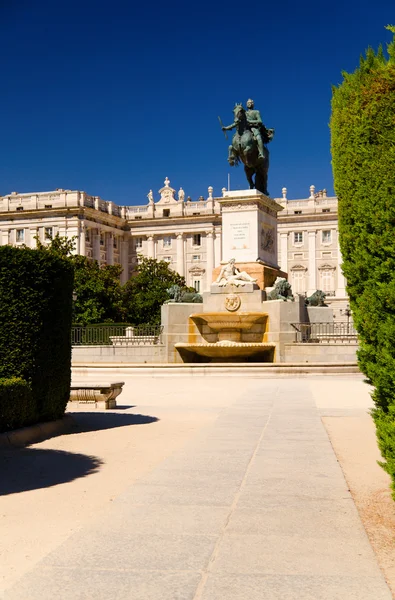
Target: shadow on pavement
{"points": [[27, 469], [96, 421]]}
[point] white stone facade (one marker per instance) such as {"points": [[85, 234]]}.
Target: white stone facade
{"points": [[183, 232]]}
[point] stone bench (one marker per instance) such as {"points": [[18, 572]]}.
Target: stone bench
{"points": [[103, 395]]}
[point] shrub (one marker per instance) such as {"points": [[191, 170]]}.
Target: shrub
{"points": [[17, 406], [363, 158], [35, 324]]}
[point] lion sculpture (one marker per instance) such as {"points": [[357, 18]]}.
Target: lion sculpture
{"points": [[316, 299], [179, 294], [282, 291]]}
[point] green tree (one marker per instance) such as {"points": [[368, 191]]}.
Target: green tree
{"points": [[363, 159], [99, 297], [145, 292]]}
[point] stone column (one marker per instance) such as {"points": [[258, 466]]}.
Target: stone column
{"points": [[341, 282], [284, 251], [4, 237], [312, 263], [33, 234], [180, 254], [82, 233], [96, 244], [218, 247], [210, 258], [124, 259], [109, 248], [151, 246]]}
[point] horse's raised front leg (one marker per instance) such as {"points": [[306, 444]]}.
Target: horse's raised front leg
{"points": [[231, 156]]}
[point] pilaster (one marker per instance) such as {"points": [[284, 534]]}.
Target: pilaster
{"points": [[312, 263]]}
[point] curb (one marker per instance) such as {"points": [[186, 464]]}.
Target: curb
{"points": [[36, 433], [216, 369]]}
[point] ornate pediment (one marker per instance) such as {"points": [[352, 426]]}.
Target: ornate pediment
{"points": [[195, 270], [167, 194], [326, 267], [298, 268]]}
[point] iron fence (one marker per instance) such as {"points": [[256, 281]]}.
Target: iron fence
{"points": [[107, 335], [314, 333]]}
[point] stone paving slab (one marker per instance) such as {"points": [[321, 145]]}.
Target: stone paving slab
{"points": [[293, 587], [254, 506]]}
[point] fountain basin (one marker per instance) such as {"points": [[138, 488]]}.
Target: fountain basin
{"points": [[220, 321], [226, 351]]}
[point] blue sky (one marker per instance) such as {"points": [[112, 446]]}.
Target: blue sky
{"points": [[112, 97]]}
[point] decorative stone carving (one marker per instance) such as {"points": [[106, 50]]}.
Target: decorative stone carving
{"points": [[267, 239], [326, 267], [232, 302], [298, 268], [230, 274]]}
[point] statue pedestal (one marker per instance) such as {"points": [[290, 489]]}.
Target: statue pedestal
{"points": [[249, 228]]}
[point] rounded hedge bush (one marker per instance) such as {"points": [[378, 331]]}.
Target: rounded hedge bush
{"points": [[35, 325]]}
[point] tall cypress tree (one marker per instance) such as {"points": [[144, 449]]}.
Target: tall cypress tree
{"points": [[363, 159]]}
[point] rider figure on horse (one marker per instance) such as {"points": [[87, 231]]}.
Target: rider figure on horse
{"points": [[255, 123]]}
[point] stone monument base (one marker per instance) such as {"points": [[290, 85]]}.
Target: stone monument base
{"points": [[265, 276]]}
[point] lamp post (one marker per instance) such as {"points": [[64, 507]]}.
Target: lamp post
{"points": [[347, 312], [74, 298]]}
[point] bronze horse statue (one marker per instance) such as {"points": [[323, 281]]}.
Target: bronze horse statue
{"points": [[244, 148]]}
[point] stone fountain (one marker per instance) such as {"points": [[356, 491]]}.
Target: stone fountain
{"points": [[238, 336], [236, 322]]}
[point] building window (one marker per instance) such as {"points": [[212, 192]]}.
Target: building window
{"points": [[327, 280], [197, 240], [326, 210], [167, 241], [167, 259], [47, 205], [166, 212], [196, 285], [48, 232], [326, 236], [115, 242], [138, 242], [298, 237], [298, 282], [297, 212], [196, 257], [20, 235], [19, 208], [101, 239], [87, 235]]}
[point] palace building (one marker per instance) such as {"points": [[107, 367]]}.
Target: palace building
{"points": [[186, 233]]}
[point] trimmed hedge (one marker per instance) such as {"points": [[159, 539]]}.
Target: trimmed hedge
{"points": [[17, 406], [35, 325], [363, 158]]}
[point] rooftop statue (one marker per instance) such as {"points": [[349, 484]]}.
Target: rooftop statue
{"points": [[249, 145], [231, 274]]}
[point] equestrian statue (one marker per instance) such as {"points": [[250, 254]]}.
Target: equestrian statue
{"points": [[249, 145]]}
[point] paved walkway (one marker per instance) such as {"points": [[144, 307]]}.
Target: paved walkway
{"points": [[250, 504]]}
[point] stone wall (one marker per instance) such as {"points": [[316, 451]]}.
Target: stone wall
{"points": [[118, 354], [329, 353]]}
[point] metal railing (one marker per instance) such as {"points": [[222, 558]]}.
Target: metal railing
{"points": [[107, 335], [316, 333], [139, 336]]}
